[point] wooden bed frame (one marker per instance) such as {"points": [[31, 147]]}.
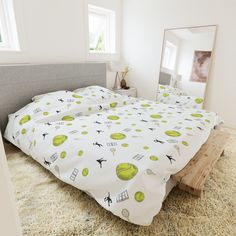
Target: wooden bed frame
{"points": [[193, 176]]}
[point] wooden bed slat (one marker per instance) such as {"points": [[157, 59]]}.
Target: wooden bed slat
{"points": [[192, 178]]}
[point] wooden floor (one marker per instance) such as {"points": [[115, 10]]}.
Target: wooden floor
{"points": [[192, 178]]}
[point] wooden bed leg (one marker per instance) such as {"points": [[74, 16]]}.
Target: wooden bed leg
{"points": [[191, 190]]}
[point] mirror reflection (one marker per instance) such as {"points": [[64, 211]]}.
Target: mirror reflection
{"points": [[185, 65]]}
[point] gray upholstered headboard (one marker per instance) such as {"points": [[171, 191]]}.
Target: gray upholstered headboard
{"points": [[19, 83], [165, 78]]}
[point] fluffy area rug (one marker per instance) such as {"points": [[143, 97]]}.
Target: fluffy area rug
{"points": [[49, 207]]}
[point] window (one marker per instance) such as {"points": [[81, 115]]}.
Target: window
{"points": [[169, 56], [102, 25], [8, 34], [3, 32]]}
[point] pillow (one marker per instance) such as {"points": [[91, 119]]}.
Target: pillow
{"points": [[38, 97], [56, 105], [97, 92], [63, 106]]}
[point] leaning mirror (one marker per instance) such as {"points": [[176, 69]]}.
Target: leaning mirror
{"points": [[185, 65]]}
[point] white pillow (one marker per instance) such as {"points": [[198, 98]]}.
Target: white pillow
{"points": [[97, 92], [38, 97]]}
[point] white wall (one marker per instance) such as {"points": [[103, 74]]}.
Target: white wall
{"points": [[49, 31], [54, 31], [144, 24]]}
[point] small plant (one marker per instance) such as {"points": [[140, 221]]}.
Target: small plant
{"points": [[125, 71]]}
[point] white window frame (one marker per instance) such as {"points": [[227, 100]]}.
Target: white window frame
{"points": [[8, 27], [174, 52], [110, 21], [114, 52]]}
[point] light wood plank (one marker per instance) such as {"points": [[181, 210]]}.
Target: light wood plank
{"points": [[192, 178], [10, 222]]}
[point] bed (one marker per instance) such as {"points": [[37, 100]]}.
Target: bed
{"points": [[121, 151]]}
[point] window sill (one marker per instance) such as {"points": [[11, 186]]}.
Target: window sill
{"points": [[168, 71], [9, 50], [102, 56]]}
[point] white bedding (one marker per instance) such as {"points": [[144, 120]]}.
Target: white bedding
{"points": [[169, 95], [120, 150]]}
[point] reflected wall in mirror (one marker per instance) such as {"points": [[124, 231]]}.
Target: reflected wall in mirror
{"points": [[185, 65]]}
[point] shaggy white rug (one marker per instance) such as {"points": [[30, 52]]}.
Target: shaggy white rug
{"points": [[49, 207]]}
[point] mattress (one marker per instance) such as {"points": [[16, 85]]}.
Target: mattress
{"points": [[119, 150]]}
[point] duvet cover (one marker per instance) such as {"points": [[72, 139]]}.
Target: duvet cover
{"points": [[169, 95], [119, 150]]}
